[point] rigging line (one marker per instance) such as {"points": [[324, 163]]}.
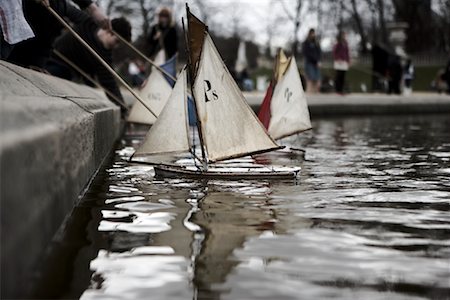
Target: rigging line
{"points": [[99, 58], [95, 82]]}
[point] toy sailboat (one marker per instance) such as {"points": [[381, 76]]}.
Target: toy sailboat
{"points": [[155, 93], [284, 111], [227, 127]]}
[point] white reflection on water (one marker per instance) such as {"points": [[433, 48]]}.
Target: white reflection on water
{"points": [[141, 223], [347, 259], [139, 274], [369, 220]]}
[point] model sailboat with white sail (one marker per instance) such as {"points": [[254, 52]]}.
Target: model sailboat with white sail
{"points": [[227, 127], [155, 93], [284, 111]]}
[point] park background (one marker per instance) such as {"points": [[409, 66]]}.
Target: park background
{"points": [[266, 25]]}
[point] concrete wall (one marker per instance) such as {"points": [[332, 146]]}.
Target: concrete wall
{"points": [[333, 105], [54, 135]]}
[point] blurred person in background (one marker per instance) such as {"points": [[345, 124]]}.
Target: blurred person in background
{"points": [[136, 72], [408, 76], [312, 53], [394, 74], [341, 57], [446, 76], [35, 51], [162, 40]]}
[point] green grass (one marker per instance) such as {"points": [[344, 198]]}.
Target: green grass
{"points": [[358, 75]]}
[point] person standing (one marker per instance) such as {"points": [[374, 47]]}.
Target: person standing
{"points": [[341, 57], [163, 40], [312, 53], [446, 76], [395, 73]]}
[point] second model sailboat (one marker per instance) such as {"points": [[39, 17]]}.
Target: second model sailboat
{"points": [[284, 111]]}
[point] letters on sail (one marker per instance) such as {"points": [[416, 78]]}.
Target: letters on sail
{"points": [[228, 125], [169, 134], [289, 109], [155, 94]]}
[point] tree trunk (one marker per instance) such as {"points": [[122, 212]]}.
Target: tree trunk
{"points": [[145, 20], [109, 7], [382, 21], [360, 27], [296, 28]]}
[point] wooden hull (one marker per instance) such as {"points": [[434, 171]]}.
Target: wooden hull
{"points": [[177, 172]]}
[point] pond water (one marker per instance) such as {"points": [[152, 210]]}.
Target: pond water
{"points": [[368, 219]]}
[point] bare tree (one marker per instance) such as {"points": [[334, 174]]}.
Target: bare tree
{"points": [[271, 27], [359, 25], [147, 9], [204, 9], [295, 19]]}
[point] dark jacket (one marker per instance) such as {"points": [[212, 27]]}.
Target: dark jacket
{"points": [[46, 28], [311, 51], [71, 48], [168, 39]]}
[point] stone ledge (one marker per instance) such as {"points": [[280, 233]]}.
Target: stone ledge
{"points": [[54, 135], [367, 104]]}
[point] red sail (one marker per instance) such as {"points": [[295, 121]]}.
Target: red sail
{"points": [[264, 111]]}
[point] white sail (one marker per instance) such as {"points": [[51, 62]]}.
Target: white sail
{"points": [[170, 131], [228, 125], [289, 109], [155, 94], [241, 62]]}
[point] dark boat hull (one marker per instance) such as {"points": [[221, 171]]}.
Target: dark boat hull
{"points": [[164, 171]]}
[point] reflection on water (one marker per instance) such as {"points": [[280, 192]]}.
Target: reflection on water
{"points": [[369, 219]]}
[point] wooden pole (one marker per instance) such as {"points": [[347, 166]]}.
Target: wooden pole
{"points": [[143, 56], [99, 58], [84, 74]]}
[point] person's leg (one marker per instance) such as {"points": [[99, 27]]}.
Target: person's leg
{"points": [[338, 81], [397, 86], [308, 86], [316, 86], [344, 73], [390, 86], [318, 79]]}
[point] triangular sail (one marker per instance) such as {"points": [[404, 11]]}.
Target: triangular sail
{"points": [[228, 125], [196, 37], [170, 131], [279, 68], [170, 66], [281, 65], [264, 110], [155, 94], [289, 109]]}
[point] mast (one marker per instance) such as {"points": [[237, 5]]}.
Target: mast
{"points": [[191, 80]]}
